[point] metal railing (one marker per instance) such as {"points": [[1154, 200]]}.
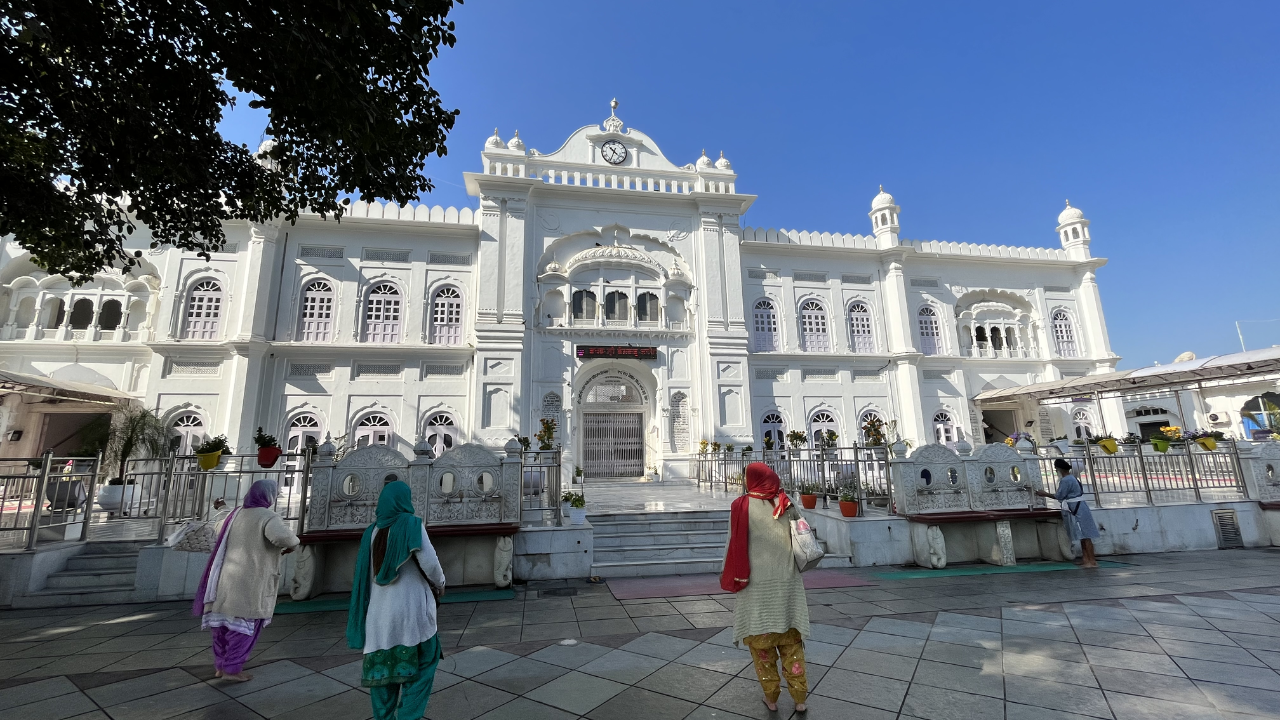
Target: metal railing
{"points": [[159, 493], [540, 482], [821, 471], [1138, 475], [45, 500]]}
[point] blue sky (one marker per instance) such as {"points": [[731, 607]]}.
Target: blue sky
{"points": [[1158, 119]]}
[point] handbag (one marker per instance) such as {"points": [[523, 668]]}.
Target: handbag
{"points": [[805, 547]]}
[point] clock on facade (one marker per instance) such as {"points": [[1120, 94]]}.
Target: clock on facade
{"points": [[614, 152]]}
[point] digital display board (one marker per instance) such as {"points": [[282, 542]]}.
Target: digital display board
{"points": [[587, 352]]}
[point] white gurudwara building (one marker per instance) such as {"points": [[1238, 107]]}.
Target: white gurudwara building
{"points": [[601, 285]]}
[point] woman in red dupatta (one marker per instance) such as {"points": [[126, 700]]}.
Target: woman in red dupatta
{"points": [[771, 613]]}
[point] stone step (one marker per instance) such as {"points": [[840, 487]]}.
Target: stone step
{"points": [[636, 568], [658, 526], [667, 538], [836, 561], [109, 595], [656, 516], [708, 551], [103, 561], [90, 579], [115, 547]]}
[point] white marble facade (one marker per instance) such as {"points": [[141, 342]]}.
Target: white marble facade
{"points": [[461, 325]]}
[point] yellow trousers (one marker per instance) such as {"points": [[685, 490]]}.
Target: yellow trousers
{"points": [[766, 650]]}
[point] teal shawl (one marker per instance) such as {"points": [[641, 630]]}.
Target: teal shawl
{"points": [[404, 536]]}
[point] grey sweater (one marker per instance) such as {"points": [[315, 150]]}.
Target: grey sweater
{"points": [[250, 577]]}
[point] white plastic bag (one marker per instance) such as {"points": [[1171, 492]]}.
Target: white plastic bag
{"points": [[805, 546]]}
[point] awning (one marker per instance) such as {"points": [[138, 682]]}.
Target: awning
{"points": [[52, 388], [1253, 363]]}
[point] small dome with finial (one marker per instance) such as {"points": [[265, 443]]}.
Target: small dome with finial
{"points": [[1071, 214], [884, 199], [494, 142], [516, 143], [704, 162], [723, 164]]}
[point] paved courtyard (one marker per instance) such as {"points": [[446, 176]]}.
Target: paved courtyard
{"points": [[1178, 635]]}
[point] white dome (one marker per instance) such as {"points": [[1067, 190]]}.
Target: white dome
{"points": [[516, 143], [723, 164], [884, 199], [1070, 215], [704, 162], [494, 142]]}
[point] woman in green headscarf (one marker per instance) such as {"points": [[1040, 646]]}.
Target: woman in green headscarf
{"points": [[393, 608]]}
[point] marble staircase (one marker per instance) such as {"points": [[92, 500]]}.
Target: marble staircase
{"points": [[102, 573]]}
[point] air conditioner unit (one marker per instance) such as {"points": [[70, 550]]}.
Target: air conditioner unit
{"points": [[1219, 418]]}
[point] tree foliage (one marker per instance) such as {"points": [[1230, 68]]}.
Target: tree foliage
{"points": [[111, 110]]}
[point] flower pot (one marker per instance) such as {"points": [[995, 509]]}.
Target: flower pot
{"points": [[1159, 446], [1062, 445], [115, 498], [809, 502], [849, 508], [564, 509], [577, 516], [1108, 446], [268, 456], [1207, 443], [880, 501], [209, 461]]}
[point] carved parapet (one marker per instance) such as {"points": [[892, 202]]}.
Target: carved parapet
{"points": [[1261, 465], [344, 496], [468, 485], [934, 479]]}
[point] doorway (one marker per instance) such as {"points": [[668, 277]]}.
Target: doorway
{"points": [[613, 444], [998, 425]]}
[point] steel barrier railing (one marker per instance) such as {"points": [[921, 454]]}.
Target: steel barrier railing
{"points": [[540, 481], [862, 469], [45, 499], [1138, 475]]}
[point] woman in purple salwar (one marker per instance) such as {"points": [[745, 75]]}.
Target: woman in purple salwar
{"points": [[237, 594]]}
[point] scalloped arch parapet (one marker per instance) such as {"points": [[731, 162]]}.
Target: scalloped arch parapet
{"points": [[614, 256], [467, 455], [997, 452], [933, 453], [373, 456]]}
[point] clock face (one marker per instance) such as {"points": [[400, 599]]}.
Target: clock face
{"points": [[614, 152]]}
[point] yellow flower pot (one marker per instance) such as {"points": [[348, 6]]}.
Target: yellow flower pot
{"points": [[209, 461], [1208, 443], [1108, 446]]}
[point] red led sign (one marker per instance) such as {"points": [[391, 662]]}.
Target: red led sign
{"points": [[617, 351]]}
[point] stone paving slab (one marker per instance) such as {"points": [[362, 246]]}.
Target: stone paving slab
{"points": [[1067, 645]]}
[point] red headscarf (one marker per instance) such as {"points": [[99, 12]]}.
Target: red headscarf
{"points": [[763, 484]]}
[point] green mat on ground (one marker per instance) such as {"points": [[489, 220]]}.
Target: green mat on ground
{"points": [[983, 570], [331, 604]]}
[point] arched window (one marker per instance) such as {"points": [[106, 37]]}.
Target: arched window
{"points": [[446, 317], [304, 432], [1075, 233], [930, 331], [997, 339], [861, 337], [441, 433], [1082, 424], [819, 425], [110, 316], [868, 415], [680, 422], [945, 430], [766, 327], [647, 309], [382, 315], [1064, 335], [204, 311], [615, 307], [316, 322], [774, 428], [584, 305], [186, 434], [813, 327], [82, 314], [373, 429]]}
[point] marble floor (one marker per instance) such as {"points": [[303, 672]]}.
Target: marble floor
{"points": [[1175, 635]]}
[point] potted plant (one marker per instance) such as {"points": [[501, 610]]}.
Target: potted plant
{"points": [[728, 448], [768, 443], [874, 496], [808, 496], [873, 431], [134, 432], [566, 501], [524, 442], [547, 435], [653, 473], [578, 509], [209, 454], [1207, 440], [577, 475], [715, 448], [702, 447], [849, 500], [268, 449], [1164, 438], [747, 450], [797, 439], [1061, 442], [1108, 443]]}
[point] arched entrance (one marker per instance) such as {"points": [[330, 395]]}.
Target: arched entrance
{"points": [[612, 409]]}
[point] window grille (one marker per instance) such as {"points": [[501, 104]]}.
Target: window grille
{"points": [[438, 258], [584, 305], [813, 327], [924, 282], [204, 311], [194, 367], [316, 322], [799, 276], [388, 256], [936, 375], [446, 317], [819, 374], [309, 369], [316, 251], [377, 370], [930, 331], [1057, 288], [437, 369], [765, 320], [382, 315], [861, 336], [1064, 335], [855, 279], [779, 374]]}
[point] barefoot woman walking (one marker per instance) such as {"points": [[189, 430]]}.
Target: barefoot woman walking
{"points": [[771, 614]]}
